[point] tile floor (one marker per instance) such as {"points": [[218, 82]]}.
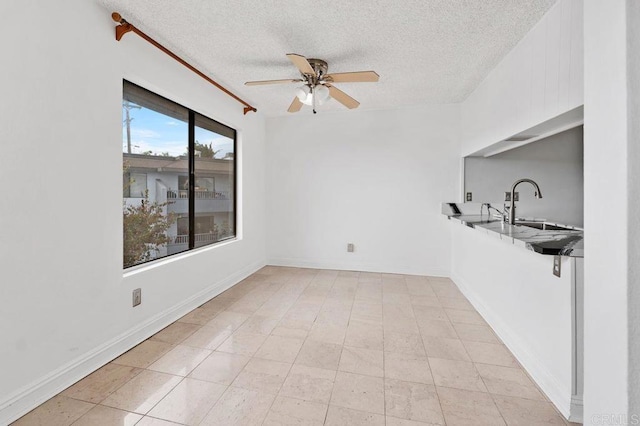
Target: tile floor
{"points": [[293, 346]]}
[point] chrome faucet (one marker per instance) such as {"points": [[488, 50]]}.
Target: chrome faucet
{"points": [[512, 206]]}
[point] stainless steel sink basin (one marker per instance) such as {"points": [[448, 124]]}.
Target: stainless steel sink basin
{"points": [[546, 226]]}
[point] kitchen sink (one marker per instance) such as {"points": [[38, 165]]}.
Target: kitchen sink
{"points": [[546, 226]]}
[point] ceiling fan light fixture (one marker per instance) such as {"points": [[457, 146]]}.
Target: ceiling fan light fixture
{"points": [[322, 93], [304, 94]]}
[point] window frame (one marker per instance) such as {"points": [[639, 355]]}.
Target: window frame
{"points": [[193, 117]]}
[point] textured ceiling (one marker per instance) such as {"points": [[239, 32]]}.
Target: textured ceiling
{"points": [[425, 51]]}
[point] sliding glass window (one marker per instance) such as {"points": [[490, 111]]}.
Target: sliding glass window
{"points": [[179, 178]]}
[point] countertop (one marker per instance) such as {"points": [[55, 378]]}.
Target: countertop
{"points": [[547, 242]]}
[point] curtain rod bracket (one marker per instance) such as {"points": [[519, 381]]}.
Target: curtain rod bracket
{"points": [[126, 27]]}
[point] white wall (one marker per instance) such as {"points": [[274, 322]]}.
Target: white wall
{"points": [[633, 89], [372, 178], [607, 193], [541, 78], [555, 163], [65, 307]]}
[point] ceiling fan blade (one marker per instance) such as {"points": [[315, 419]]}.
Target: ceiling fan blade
{"points": [[295, 105], [353, 77], [342, 97], [301, 62], [263, 82]]}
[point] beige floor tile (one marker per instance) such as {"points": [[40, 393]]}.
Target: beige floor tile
{"points": [[400, 325], [220, 367], [291, 321], [296, 333], [526, 412], [189, 402], [107, 416], [429, 301], [396, 298], [369, 362], [228, 318], [151, 421], [309, 384], [336, 317], [319, 354], [437, 328], [403, 343], [295, 412], [369, 312], [101, 383], [209, 337], [394, 421], [475, 333], [462, 316], [364, 335], [340, 416], [328, 333], [277, 348], [243, 343], [490, 353], [407, 367], [456, 303], [58, 411], [412, 401], [429, 313], [143, 355], [397, 312], [239, 407], [142, 392], [175, 333], [358, 392], [456, 374], [444, 289], [199, 316], [370, 277], [180, 361], [508, 382], [262, 375], [259, 324], [463, 407], [445, 348], [419, 287]]}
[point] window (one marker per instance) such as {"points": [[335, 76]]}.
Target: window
{"points": [[134, 185], [179, 178]]}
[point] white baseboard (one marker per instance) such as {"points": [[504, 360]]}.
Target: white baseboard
{"points": [[534, 366], [577, 410], [25, 399], [357, 266]]}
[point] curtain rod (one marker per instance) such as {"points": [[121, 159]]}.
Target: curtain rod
{"points": [[126, 27]]}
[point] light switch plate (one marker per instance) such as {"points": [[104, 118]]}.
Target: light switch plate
{"points": [[557, 262], [137, 297], [350, 248]]}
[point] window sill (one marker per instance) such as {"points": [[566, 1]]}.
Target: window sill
{"points": [[135, 270]]}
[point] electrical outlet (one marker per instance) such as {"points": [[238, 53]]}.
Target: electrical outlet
{"points": [[557, 262], [469, 196], [351, 248], [137, 296], [507, 196]]}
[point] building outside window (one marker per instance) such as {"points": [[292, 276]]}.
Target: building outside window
{"points": [[166, 147]]}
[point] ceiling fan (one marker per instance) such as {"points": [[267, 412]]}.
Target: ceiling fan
{"points": [[317, 85]]}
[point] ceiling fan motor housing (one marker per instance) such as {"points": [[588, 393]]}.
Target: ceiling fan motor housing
{"points": [[320, 67]]}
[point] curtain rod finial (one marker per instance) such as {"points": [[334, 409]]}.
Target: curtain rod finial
{"points": [[117, 17]]}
